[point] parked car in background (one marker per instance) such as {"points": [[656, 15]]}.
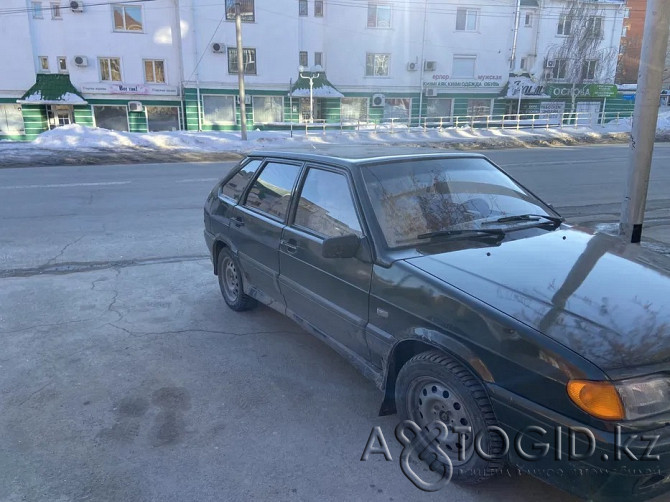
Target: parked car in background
{"points": [[466, 300]]}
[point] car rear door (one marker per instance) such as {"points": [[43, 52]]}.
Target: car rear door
{"points": [[331, 294], [229, 195], [256, 227]]}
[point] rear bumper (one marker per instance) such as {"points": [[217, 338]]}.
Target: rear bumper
{"points": [[209, 240], [610, 466]]}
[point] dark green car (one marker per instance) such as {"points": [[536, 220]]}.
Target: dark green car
{"points": [[468, 302]]}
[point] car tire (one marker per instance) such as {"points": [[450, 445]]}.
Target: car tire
{"points": [[230, 282], [434, 386]]}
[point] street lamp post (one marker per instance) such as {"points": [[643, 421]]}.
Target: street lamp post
{"points": [[311, 78]]}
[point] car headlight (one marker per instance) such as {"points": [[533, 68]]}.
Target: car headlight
{"points": [[624, 400]]}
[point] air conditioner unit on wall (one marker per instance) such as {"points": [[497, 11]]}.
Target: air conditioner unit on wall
{"points": [[81, 61], [218, 48], [378, 100], [135, 106], [412, 66], [431, 93], [550, 63], [247, 99], [76, 6], [429, 65]]}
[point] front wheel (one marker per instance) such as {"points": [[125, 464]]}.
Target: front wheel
{"points": [[230, 283], [432, 386]]}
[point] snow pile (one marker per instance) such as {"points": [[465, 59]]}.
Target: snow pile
{"points": [[78, 137]]}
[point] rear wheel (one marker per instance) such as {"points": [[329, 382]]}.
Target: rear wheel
{"points": [[230, 282], [433, 386]]}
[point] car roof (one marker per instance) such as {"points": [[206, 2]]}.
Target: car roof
{"points": [[350, 157]]}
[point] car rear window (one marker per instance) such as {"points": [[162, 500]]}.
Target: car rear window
{"points": [[271, 192], [235, 185]]}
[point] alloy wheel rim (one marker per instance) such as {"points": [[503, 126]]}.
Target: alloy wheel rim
{"points": [[430, 400]]}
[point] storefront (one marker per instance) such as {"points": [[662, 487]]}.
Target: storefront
{"points": [[134, 107], [51, 102]]}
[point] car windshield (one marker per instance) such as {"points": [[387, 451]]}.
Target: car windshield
{"points": [[418, 197]]}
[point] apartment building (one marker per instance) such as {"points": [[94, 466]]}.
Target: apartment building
{"points": [[171, 64]]}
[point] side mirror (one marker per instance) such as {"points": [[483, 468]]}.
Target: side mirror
{"points": [[345, 246]]}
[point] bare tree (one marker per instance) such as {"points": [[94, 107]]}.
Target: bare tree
{"points": [[581, 57]]}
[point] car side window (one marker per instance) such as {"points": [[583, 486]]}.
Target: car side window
{"points": [[271, 192], [326, 206], [235, 185]]}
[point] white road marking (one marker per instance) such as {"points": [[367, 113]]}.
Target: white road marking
{"points": [[195, 180], [570, 162], [67, 185]]}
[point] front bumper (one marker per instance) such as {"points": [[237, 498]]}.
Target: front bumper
{"points": [[612, 466]]}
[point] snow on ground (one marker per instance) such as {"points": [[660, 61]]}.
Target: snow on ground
{"points": [[79, 138]]}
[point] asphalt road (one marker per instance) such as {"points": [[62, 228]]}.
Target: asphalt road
{"points": [[125, 377]]}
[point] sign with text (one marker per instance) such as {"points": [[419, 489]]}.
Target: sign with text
{"points": [[444, 81], [583, 90], [142, 89], [527, 88]]}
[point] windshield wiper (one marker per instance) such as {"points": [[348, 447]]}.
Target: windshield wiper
{"points": [[526, 217], [466, 234]]}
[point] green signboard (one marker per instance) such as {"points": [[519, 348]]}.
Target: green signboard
{"points": [[583, 90]]}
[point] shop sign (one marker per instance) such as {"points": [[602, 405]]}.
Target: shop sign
{"points": [[481, 81], [527, 87], [553, 109], [583, 90], [142, 89]]}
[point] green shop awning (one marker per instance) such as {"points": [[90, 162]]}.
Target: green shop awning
{"points": [[52, 89], [321, 88]]}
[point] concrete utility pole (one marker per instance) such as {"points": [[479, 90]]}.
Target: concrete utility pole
{"points": [[311, 77], [240, 71], [645, 116]]}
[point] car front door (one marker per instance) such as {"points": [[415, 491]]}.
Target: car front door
{"points": [[256, 228], [331, 294]]}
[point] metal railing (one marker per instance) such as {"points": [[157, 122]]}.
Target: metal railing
{"points": [[499, 121]]}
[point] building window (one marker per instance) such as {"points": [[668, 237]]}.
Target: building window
{"points": [[246, 10], [302, 8], [62, 64], [438, 107], [379, 15], [397, 108], [589, 69], [354, 109], [560, 69], [37, 10], [479, 107], [248, 60], [302, 58], [377, 65], [466, 19], [218, 110], [44, 64], [11, 120], [528, 21], [110, 69], [564, 25], [318, 8], [154, 71], [111, 117], [526, 63], [318, 59], [162, 118], [127, 17], [463, 67], [268, 109], [594, 27], [55, 11]]}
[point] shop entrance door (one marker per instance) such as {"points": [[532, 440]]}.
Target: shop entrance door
{"points": [[59, 115]]}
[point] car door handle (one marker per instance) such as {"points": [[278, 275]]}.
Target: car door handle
{"points": [[238, 221], [291, 245]]}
